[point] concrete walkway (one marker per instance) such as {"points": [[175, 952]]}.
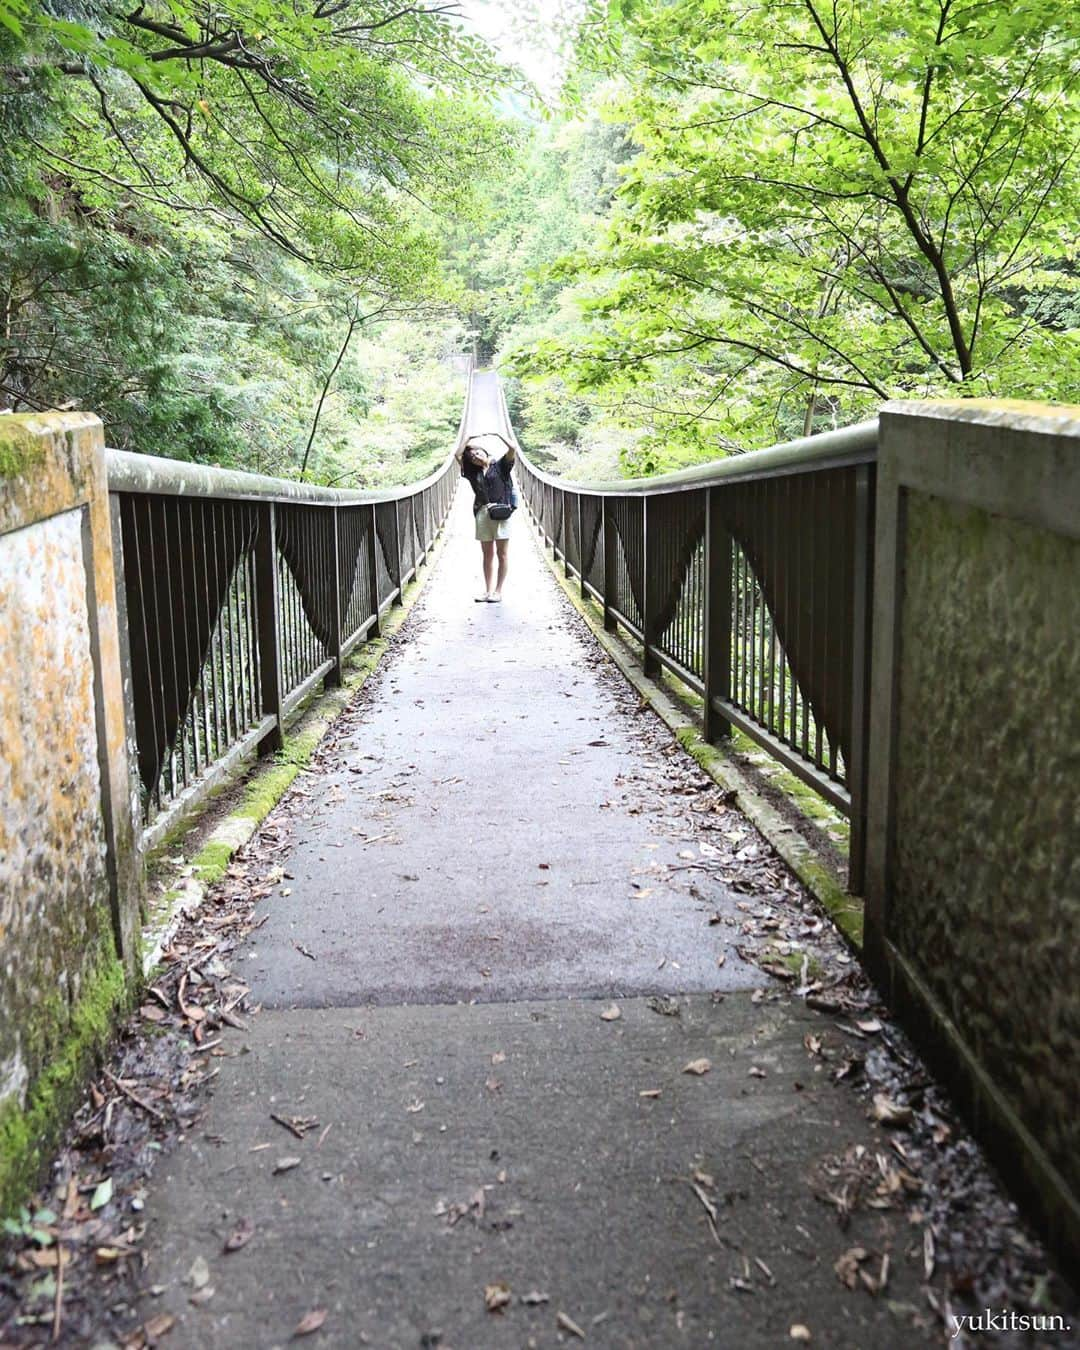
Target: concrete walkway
{"points": [[497, 846]]}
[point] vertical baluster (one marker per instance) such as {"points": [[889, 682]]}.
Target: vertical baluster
{"points": [[371, 545], [395, 556], [716, 657], [268, 607]]}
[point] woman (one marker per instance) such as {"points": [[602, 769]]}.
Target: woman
{"points": [[491, 482]]}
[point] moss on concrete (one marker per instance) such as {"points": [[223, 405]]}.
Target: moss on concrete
{"points": [[210, 863], [19, 451], [74, 1038]]}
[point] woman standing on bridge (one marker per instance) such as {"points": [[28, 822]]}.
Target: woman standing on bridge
{"points": [[492, 485]]}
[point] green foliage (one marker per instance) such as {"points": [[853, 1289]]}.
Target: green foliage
{"points": [[828, 206], [197, 205]]}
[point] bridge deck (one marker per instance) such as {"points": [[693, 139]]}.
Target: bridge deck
{"points": [[496, 845]]}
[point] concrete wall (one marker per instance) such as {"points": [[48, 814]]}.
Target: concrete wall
{"points": [[973, 917], [69, 903]]}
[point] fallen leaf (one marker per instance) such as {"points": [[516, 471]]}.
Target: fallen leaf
{"points": [[102, 1194], [649, 1092], [611, 1014], [199, 1274], [532, 1298], [568, 1324], [201, 1296], [310, 1322], [496, 1296], [800, 1333], [286, 1165], [847, 1265], [755, 1071], [888, 1112], [415, 1106], [698, 1067], [240, 1236], [721, 958], [870, 1025], [499, 1057], [158, 1326]]}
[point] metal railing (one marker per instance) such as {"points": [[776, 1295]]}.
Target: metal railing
{"points": [[239, 594], [749, 579]]}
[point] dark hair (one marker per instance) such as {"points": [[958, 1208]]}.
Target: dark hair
{"points": [[467, 461]]}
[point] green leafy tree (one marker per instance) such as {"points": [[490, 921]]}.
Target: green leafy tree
{"points": [[833, 204]]}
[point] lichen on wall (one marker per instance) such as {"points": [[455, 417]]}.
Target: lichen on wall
{"points": [[54, 910], [986, 862]]}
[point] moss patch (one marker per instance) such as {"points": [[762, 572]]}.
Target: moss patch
{"points": [[29, 1133], [19, 452]]}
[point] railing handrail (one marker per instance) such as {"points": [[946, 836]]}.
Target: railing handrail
{"points": [[132, 471], [847, 445]]}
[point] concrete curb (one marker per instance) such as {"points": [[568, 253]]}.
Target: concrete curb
{"points": [[846, 911], [268, 781]]}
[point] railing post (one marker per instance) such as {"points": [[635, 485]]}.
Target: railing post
{"points": [[565, 532], [607, 529], [371, 543], [267, 607], [862, 610], [335, 674], [581, 544], [716, 622], [398, 570], [650, 603]]}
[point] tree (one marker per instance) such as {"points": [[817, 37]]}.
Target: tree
{"points": [[192, 196], [835, 203], [328, 125]]}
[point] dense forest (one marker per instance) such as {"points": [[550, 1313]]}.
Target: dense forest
{"points": [[255, 234]]}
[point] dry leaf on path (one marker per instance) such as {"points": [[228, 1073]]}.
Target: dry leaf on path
{"points": [[800, 1333], [649, 1092], [847, 1265], [568, 1324], [698, 1067], [240, 1236], [888, 1112], [611, 1014], [496, 1296], [310, 1322], [534, 1297], [158, 1326], [285, 1165], [199, 1274]]}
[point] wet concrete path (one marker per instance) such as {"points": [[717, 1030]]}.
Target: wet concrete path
{"points": [[496, 846]]}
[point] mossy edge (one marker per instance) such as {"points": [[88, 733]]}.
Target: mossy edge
{"points": [[29, 1133], [20, 451]]}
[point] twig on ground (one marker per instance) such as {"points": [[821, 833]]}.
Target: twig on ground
{"points": [[133, 1097]]}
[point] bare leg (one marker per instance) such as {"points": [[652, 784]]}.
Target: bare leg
{"points": [[503, 545], [487, 547]]}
